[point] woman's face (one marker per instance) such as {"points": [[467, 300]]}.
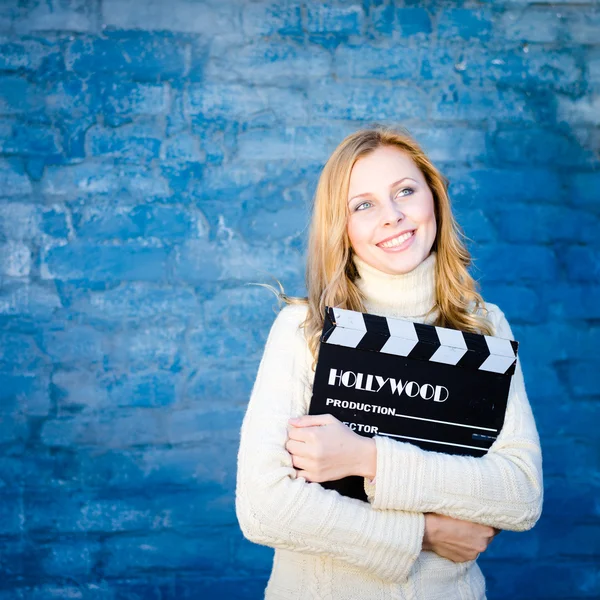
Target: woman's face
{"points": [[392, 224]]}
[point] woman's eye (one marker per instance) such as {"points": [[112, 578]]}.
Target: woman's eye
{"points": [[408, 189], [361, 205]]}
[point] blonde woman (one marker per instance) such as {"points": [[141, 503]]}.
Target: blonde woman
{"points": [[383, 240]]}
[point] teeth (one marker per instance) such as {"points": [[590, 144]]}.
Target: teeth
{"points": [[397, 241]]}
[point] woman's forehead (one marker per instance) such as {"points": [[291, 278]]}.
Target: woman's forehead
{"points": [[380, 168]]}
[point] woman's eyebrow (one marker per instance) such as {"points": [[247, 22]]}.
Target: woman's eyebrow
{"points": [[391, 186]]}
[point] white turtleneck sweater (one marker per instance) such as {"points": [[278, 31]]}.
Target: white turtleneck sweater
{"points": [[332, 547]]}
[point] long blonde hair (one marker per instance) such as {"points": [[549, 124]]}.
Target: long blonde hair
{"points": [[330, 271]]}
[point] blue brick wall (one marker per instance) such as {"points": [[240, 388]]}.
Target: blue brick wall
{"points": [[156, 156]]}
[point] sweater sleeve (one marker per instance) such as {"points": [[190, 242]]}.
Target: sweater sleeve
{"points": [[502, 489], [276, 508]]}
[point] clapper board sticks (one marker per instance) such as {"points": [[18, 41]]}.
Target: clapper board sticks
{"points": [[441, 389]]}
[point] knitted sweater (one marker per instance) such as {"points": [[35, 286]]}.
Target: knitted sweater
{"points": [[332, 547]]}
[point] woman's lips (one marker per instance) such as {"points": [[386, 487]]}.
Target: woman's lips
{"points": [[405, 244]]}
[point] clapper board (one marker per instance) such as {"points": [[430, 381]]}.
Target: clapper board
{"points": [[441, 389]]}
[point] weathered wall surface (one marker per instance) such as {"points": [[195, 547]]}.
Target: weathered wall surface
{"points": [[156, 156]]}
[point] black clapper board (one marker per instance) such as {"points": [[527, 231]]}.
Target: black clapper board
{"points": [[441, 389]]}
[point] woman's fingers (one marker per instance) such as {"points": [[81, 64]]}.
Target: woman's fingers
{"points": [[295, 448], [300, 434]]}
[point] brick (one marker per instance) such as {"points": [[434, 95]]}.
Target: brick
{"points": [[533, 25], [521, 545], [125, 99], [371, 62], [13, 180], [528, 68], [545, 224], [200, 466], [24, 54], [268, 226], [106, 222], [527, 263], [568, 300], [11, 514], [585, 110], [465, 24], [19, 221], [413, 21], [146, 390], [143, 300], [269, 18], [139, 554], [583, 190], [251, 558], [80, 390], [341, 20], [88, 591], [19, 352], [551, 342], [188, 268], [537, 147], [18, 96], [266, 63], [246, 588], [55, 223], [582, 25], [582, 263], [559, 495], [25, 298], [205, 424], [103, 178], [76, 558], [179, 15], [221, 383], [575, 419], [452, 144], [129, 262], [15, 259], [140, 55], [519, 303], [150, 345], [291, 143], [477, 187], [69, 15], [245, 102], [583, 377], [182, 147], [549, 581], [377, 102], [77, 344], [26, 139], [135, 143], [476, 225], [572, 457], [135, 427], [473, 104], [28, 392]]}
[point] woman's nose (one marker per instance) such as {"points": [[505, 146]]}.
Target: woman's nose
{"points": [[392, 213]]}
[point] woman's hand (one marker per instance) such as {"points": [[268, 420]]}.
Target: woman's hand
{"points": [[324, 449], [456, 540]]}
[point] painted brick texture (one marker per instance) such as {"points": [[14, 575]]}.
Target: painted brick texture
{"points": [[156, 157]]}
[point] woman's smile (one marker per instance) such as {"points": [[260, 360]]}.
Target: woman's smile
{"points": [[398, 243]]}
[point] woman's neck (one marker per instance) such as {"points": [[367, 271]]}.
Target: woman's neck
{"points": [[409, 295]]}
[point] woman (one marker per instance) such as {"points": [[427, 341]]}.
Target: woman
{"points": [[383, 240]]}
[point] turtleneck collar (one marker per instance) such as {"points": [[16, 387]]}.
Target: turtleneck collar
{"points": [[409, 295]]}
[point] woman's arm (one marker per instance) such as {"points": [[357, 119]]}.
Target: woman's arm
{"points": [[502, 489], [276, 508]]}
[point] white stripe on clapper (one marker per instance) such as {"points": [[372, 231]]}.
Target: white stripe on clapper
{"points": [[447, 423], [405, 437]]}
